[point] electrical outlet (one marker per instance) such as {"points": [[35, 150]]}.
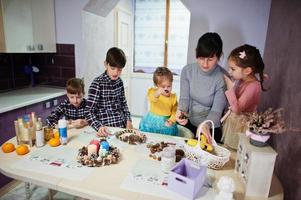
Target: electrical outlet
{"points": [[54, 102], [47, 104]]}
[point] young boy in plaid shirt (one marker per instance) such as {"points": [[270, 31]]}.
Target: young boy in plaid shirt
{"points": [[106, 104], [73, 108]]}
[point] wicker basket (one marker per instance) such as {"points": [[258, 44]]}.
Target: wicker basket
{"points": [[201, 157]]}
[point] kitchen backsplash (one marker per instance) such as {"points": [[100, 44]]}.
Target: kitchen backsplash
{"points": [[54, 68]]}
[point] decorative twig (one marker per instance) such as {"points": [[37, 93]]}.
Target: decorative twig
{"points": [[269, 121]]}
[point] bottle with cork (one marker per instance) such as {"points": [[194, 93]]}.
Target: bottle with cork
{"points": [[40, 139]]}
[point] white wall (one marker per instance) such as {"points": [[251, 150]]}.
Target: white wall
{"points": [[98, 36], [68, 23], [237, 22], [91, 34]]}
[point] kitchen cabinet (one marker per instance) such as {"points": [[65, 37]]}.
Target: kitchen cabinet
{"points": [[27, 26]]}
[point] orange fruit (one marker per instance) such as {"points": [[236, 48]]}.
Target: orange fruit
{"points": [[22, 149], [8, 147], [54, 142]]}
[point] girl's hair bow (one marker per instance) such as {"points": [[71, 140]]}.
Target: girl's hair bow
{"points": [[242, 54]]}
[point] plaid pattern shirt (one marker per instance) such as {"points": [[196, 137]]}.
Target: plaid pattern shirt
{"points": [[67, 110], [106, 104]]}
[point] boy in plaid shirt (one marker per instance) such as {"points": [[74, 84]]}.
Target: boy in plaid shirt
{"points": [[73, 108], [106, 104]]}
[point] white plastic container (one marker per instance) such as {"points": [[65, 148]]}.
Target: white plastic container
{"points": [[62, 125]]}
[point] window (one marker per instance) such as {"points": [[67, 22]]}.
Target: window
{"points": [[161, 35]]}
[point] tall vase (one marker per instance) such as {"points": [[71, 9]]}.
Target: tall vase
{"points": [[256, 139]]}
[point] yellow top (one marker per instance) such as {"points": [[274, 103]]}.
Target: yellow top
{"points": [[163, 106]]}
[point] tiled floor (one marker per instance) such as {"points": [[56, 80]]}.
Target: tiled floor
{"points": [[37, 193]]}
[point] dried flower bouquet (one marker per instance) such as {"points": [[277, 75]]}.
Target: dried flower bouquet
{"points": [[269, 121]]}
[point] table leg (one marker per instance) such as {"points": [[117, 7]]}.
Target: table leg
{"points": [[27, 190], [51, 193]]}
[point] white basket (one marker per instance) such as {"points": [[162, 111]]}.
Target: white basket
{"points": [[202, 157]]}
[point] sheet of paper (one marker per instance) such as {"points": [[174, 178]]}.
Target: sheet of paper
{"points": [[59, 162], [147, 178]]}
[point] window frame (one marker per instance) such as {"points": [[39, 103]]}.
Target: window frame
{"points": [[139, 73]]}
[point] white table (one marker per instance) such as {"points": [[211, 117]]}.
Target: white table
{"points": [[105, 182]]}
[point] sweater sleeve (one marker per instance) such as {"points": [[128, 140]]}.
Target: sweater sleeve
{"points": [[219, 103], [184, 91], [248, 97]]}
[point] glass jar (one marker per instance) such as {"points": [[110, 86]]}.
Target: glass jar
{"points": [[48, 133], [168, 158]]}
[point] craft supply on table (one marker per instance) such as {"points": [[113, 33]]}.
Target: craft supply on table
{"points": [[168, 159], [156, 150], [106, 155], [25, 129], [187, 178], [48, 132], [131, 136], [214, 161], [40, 140], [62, 125]]}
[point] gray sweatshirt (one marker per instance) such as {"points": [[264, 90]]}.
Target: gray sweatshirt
{"points": [[202, 94]]}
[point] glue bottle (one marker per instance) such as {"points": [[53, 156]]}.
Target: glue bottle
{"points": [[62, 125]]}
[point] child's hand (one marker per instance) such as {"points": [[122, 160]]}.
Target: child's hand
{"points": [[103, 131], [181, 117], [79, 123], [229, 82], [168, 123], [158, 92]]}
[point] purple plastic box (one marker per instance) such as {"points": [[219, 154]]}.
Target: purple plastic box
{"points": [[187, 178]]}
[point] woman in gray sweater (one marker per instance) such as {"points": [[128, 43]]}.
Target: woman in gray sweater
{"points": [[202, 88]]}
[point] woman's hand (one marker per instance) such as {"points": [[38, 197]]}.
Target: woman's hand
{"points": [[181, 117], [103, 131], [229, 82], [129, 125], [206, 133]]}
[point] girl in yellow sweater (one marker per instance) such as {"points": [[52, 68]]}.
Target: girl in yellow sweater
{"points": [[163, 105]]}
